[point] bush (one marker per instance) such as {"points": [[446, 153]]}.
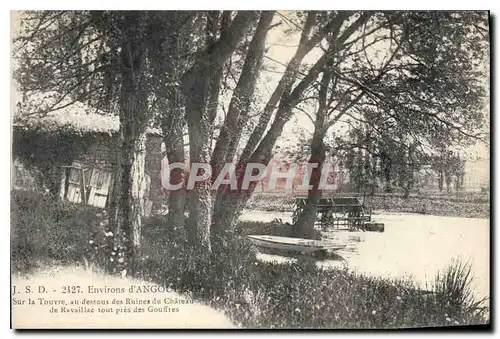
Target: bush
{"points": [[44, 229], [454, 294]]}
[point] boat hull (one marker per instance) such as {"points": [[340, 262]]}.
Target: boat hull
{"points": [[294, 244]]}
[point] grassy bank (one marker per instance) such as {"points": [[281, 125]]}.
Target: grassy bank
{"points": [[464, 207], [252, 293], [43, 229]]}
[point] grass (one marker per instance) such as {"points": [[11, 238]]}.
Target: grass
{"points": [[453, 290], [478, 207], [252, 293], [43, 229]]}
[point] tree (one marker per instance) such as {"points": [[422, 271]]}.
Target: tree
{"points": [[182, 62], [422, 92], [286, 96], [129, 178], [196, 83], [101, 57], [450, 169]]}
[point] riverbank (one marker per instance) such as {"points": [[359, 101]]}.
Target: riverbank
{"points": [[412, 245], [232, 279], [470, 206]]}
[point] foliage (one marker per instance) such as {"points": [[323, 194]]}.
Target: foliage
{"points": [[429, 96], [454, 293], [77, 119], [435, 93], [374, 163]]}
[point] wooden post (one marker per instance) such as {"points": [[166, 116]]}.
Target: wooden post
{"points": [[63, 193], [82, 186], [62, 190]]}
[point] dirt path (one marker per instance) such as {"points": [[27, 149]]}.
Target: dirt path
{"points": [[172, 311]]}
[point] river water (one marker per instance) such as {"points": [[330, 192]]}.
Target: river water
{"points": [[413, 245]]}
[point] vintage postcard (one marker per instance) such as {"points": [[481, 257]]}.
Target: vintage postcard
{"points": [[250, 169]]}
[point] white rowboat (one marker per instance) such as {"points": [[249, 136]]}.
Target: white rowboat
{"points": [[294, 244]]}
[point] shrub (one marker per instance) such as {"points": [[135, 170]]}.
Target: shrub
{"points": [[454, 294], [44, 229]]}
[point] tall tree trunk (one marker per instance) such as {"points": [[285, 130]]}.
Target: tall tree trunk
{"points": [[440, 179], [304, 227], [239, 106], [126, 203], [129, 183], [196, 89], [234, 203], [305, 224], [174, 144], [260, 149]]}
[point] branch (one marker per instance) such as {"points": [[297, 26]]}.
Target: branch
{"points": [[382, 134], [41, 22], [320, 64], [215, 56], [332, 27], [307, 114], [68, 92], [287, 80], [453, 126], [343, 111], [365, 34], [287, 103], [243, 93], [53, 108], [364, 88]]}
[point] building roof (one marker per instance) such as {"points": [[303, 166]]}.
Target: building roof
{"points": [[77, 117]]}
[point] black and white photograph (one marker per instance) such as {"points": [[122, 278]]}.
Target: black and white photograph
{"points": [[250, 169]]}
